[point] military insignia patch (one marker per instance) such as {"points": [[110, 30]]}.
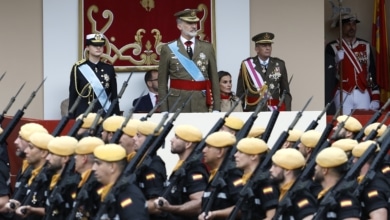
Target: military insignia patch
{"points": [[150, 176], [126, 202], [372, 193], [267, 190], [303, 203], [345, 203]]}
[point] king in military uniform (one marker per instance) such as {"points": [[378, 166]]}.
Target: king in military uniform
{"points": [[93, 79], [263, 75], [191, 66]]}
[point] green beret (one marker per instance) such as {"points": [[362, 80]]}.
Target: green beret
{"points": [[256, 131], [345, 144], [352, 124], [29, 128], [252, 146], [374, 126], [87, 121], [147, 127], [131, 127], [62, 146], [113, 123], [331, 157], [188, 15], [221, 139], [234, 123], [110, 152], [188, 133], [294, 135], [87, 144], [289, 158], [264, 38], [360, 148], [310, 138], [41, 140]]}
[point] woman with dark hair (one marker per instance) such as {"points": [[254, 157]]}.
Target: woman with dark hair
{"points": [[227, 96]]}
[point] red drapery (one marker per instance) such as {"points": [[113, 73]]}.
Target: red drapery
{"points": [[137, 29], [379, 42]]}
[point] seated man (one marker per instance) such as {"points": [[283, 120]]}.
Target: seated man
{"points": [[149, 100]]}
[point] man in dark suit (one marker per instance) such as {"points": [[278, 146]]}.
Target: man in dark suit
{"points": [[263, 75], [149, 100], [191, 67]]}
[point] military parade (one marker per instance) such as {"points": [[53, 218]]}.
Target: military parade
{"points": [[100, 162]]}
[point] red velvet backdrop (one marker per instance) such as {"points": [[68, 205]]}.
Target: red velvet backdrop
{"points": [[137, 29]]}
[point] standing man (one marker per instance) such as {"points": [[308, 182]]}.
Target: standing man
{"points": [[191, 66], [185, 198], [149, 100], [91, 77], [356, 60], [263, 75]]}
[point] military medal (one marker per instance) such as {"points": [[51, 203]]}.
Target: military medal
{"points": [[34, 199], [263, 70]]}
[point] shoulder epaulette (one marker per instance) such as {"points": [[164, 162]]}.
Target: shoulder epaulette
{"points": [[78, 63]]}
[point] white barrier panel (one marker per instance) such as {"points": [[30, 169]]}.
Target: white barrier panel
{"points": [[205, 121]]}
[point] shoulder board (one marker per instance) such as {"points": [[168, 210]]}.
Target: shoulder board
{"points": [[80, 62], [248, 58]]}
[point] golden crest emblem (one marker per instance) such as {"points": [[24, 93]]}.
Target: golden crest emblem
{"points": [[147, 4]]}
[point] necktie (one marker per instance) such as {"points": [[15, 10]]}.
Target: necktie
{"points": [[188, 48]]}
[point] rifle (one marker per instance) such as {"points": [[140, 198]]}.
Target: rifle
{"points": [[218, 181], [128, 173], [65, 119], [79, 122], [92, 131], [313, 124], [272, 121], [2, 76], [118, 133], [261, 172], [346, 183], [384, 142], [113, 104], [196, 154], [11, 101], [372, 135], [11, 125], [154, 109], [373, 119]]}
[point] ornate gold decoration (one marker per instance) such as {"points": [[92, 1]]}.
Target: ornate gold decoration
{"points": [[147, 4], [147, 52]]}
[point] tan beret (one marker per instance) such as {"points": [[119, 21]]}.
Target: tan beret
{"points": [[289, 158], [87, 144], [41, 140], [294, 135], [345, 144], [113, 123], [310, 138], [147, 128], [234, 123], [188, 15], [62, 146], [131, 127], [374, 126], [188, 133], [331, 157], [252, 146], [256, 131], [221, 139], [29, 128], [359, 149], [110, 152], [87, 121], [352, 124]]}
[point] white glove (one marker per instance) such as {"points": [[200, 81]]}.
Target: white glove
{"points": [[164, 113], [374, 105], [215, 111], [339, 56]]}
